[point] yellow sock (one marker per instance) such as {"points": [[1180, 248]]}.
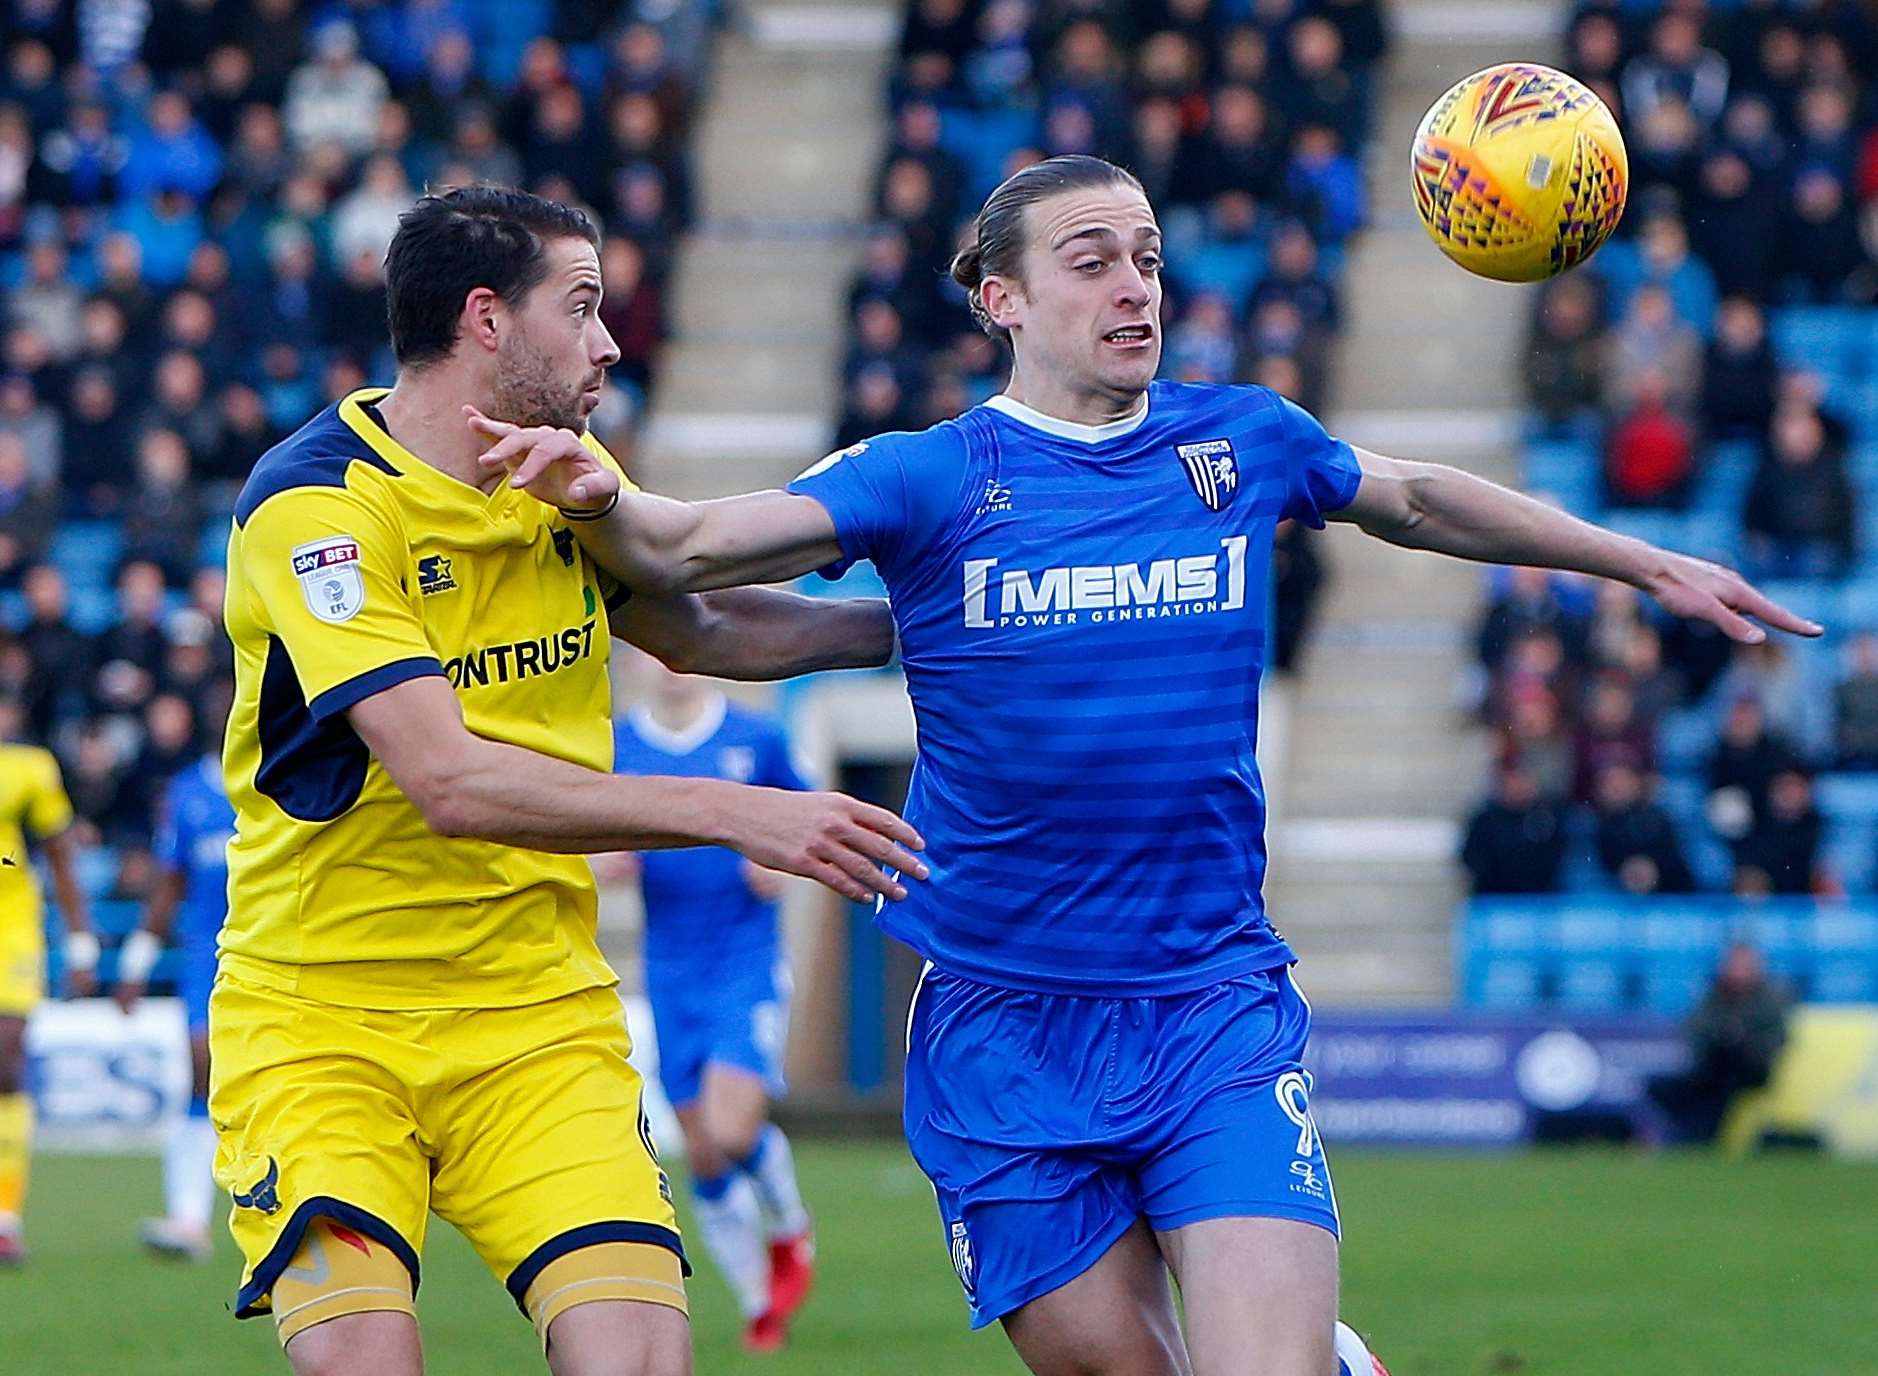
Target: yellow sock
{"points": [[16, 1142]]}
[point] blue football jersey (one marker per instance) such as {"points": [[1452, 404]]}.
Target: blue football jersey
{"points": [[1082, 614], [192, 835], [699, 909]]}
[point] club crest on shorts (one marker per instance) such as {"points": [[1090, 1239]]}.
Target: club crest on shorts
{"points": [[263, 1194], [962, 1255], [329, 574], [1212, 471]]}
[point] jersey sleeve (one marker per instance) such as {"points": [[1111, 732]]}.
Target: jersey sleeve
{"points": [[1321, 471], [889, 495], [327, 570], [613, 593], [50, 811]]}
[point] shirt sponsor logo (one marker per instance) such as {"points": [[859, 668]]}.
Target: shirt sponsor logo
{"points": [[330, 576], [736, 763], [520, 659], [1095, 594], [997, 497]]}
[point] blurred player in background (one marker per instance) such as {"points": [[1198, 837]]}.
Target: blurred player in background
{"points": [[412, 1014], [187, 905], [1104, 1077], [33, 806], [718, 981]]}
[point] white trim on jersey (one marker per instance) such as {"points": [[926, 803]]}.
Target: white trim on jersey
{"points": [[1069, 429], [681, 742]]}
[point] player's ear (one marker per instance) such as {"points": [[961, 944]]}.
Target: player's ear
{"points": [[1002, 297], [480, 310]]}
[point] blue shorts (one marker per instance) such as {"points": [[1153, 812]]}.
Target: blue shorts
{"points": [[195, 976], [1048, 1123], [736, 1016]]}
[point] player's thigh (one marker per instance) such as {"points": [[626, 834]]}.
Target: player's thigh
{"points": [[620, 1338], [734, 1105], [1260, 1295], [545, 1159], [368, 1344], [1115, 1319], [1004, 1110], [1233, 1134], [314, 1121]]}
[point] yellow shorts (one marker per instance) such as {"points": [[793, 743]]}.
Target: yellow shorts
{"points": [[523, 1127], [22, 968]]}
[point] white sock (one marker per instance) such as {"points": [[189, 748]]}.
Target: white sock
{"points": [[189, 1172], [772, 1168], [731, 1220]]}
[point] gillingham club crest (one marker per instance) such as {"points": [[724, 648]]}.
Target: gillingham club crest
{"points": [[1212, 471]]}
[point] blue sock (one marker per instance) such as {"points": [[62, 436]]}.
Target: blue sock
{"points": [[771, 1167], [713, 1188], [198, 1106]]}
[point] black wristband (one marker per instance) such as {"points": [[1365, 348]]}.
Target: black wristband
{"points": [[606, 510]]}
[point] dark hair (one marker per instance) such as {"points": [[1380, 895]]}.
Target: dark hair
{"points": [[452, 242], [998, 247]]}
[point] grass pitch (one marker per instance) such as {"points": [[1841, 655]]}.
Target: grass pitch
{"points": [[1571, 1264]]}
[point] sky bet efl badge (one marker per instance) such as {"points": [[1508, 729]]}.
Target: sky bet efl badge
{"points": [[328, 571], [1212, 471]]}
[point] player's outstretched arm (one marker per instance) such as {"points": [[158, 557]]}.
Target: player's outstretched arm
{"points": [[655, 544], [669, 547], [468, 786], [758, 633], [1431, 506]]}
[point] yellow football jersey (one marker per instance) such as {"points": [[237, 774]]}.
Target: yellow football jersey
{"points": [[354, 566], [32, 801]]}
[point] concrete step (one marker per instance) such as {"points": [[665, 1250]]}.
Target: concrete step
{"points": [[762, 377], [791, 133], [752, 288]]}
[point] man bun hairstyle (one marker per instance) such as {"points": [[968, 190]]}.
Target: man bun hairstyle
{"points": [[452, 242], [997, 248]]}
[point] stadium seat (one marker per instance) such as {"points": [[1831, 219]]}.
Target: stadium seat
{"points": [[1830, 339]]}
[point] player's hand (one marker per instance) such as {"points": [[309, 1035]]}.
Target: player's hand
{"points": [[1702, 591], [549, 464], [766, 884], [126, 994], [831, 838]]}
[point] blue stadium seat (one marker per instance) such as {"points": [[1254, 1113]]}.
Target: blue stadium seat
{"points": [[1829, 339], [1570, 469], [87, 552]]}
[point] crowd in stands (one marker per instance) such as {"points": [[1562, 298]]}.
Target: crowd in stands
{"points": [[195, 201], [1706, 381], [1245, 121]]}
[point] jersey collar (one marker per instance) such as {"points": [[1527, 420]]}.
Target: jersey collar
{"points": [[352, 413], [681, 742], [1069, 429]]}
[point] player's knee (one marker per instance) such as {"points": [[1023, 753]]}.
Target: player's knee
{"points": [[620, 1340], [360, 1344], [702, 1154]]}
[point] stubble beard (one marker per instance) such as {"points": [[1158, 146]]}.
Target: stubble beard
{"points": [[527, 392]]}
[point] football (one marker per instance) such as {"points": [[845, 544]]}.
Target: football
{"points": [[1353, 1357], [1519, 172]]}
